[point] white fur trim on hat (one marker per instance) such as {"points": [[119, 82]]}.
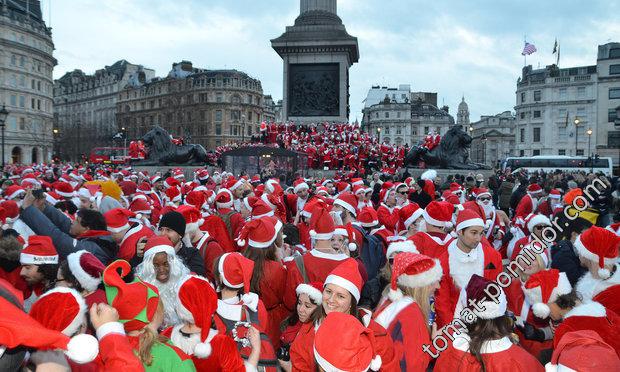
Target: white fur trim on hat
{"points": [[341, 231], [220, 267], [430, 174], [301, 186], [86, 281], [431, 220], [492, 309], [327, 366], [401, 246], [422, 279], [118, 229], [31, 259], [159, 249], [538, 219], [315, 295], [414, 216], [585, 253], [344, 283], [469, 223], [323, 236], [346, 206]]}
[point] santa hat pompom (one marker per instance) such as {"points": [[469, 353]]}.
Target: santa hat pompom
{"points": [[241, 242], [202, 350], [551, 367], [82, 348], [250, 300], [352, 247], [139, 216], [514, 230], [395, 295], [604, 273], [376, 363], [449, 225], [541, 310]]}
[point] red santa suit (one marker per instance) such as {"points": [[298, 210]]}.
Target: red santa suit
{"points": [[458, 267], [606, 292], [592, 316], [432, 244], [235, 219], [406, 324], [128, 245], [317, 264], [498, 355], [210, 250], [272, 287], [389, 217], [526, 206]]}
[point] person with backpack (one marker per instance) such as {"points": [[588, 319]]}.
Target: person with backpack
{"points": [[238, 308], [232, 219]]}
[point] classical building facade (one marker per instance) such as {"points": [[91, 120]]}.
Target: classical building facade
{"points": [[570, 111], [26, 85], [85, 106], [208, 107], [462, 115], [493, 138], [403, 117]]}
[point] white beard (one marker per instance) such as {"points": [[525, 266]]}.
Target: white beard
{"points": [[488, 209], [422, 225]]}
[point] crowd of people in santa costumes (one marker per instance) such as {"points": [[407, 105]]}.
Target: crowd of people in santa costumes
{"points": [[104, 268]]}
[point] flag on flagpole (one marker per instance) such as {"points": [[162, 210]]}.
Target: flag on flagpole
{"points": [[555, 47], [528, 49]]}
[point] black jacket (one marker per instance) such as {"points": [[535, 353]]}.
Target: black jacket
{"points": [[192, 259], [564, 258]]}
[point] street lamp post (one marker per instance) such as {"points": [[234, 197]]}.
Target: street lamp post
{"points": [[243, 128], [124, 141], [576, 133], [589, 133], [4, 113], [379, 134], [484, 148], [55, 150]]}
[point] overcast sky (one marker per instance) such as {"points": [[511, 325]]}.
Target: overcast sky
{"points": [[454, 48]]}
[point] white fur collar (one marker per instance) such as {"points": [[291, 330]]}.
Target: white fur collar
{"points": [[437, 239], [187, 344], [228, 310], [463, 265], [392, 310], [588, 286], [328, 256], [461, 342], [592, 309], [374, 231]]}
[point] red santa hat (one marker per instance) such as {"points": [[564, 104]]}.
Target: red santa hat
{"points": [[413, 270], [140, 206], [583, 351], [260, 209], [258, 233], [468, 218], [145, 188], [400, 246], [233, 184], [197, 199], [534, 189], [314, 290], [117, 219], [322, 190], [30, 181], [14, 191], [70, 319], [224, 199], [342, 187], [555, 194], [347, 201], [193, 217], [90, 192], [480, 192], [299, 185], [347, 275], [360, 353], [599, 245], [38, 251], [155, 179], [178, 174], [349, 233], [136, 302], [158, 244], [272, 186], [321, 224], [409, 213], [236, 272], [171, 182], [197, 302], [52, 197], [173, 195], [357, 182], [438, 213], [367, 217], [532, 220], [479, 302], [545, 287], [86, 268]]}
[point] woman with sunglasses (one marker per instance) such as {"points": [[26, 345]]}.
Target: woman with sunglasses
{"points": [[536, 224]]}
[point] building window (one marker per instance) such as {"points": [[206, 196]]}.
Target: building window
{"points": [[562, 152], [376, 115], [537, 95], [521, 152], [387, 115], [535, 152], [218, 129], [562, 132], [218, 97], [536, 114], [581, 113], [614, 53], [22, 101], [522, 97], [522, 115], [580, 152], [250, 99], [611, 115], [14, 101], [614, 69], [234, 115], [522, 135], [562, 93], [398, 114], [536, 134], [613, 139], [581, 92], [614, 93], [218, 115]]}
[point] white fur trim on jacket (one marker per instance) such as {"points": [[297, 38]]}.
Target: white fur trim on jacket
{"points": [[593, 309], [87, 282]]}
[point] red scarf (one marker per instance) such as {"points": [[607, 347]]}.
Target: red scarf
{"points": [[94, 234]]}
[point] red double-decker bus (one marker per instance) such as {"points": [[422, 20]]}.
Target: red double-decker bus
{"points": [[108, 155]]}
